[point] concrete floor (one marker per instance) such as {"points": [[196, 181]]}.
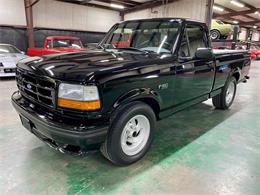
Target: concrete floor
{"points": [[197, 151]]}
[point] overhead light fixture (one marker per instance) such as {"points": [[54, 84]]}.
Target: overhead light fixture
{"points": [[235, 22], [255, 27], [257, 12], [117, 6], [218, 8], [236, 3]]}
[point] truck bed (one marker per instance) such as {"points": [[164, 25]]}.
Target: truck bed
{"points": [[228, 51], [226, 59]]}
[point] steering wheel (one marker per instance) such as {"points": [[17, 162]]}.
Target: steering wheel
{"points": [[168, 44], [145, 42]]}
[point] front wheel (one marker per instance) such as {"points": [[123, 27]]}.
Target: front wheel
{"points": [[214, 34], [225, 99], [130, 134]]}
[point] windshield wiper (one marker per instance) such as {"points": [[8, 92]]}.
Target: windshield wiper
{"points": [[98, 46], [127, 48], [135, 49]]}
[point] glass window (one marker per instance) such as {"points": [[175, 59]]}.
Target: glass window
{"points": [[49, 44], [219, 22], [64, 43], [184, 48], [254, 47], [8, 49], [196, 37], [155, 36]]}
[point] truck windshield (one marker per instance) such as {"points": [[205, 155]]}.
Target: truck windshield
{"points": [[65, 43], [8, 49], [152, 36]]}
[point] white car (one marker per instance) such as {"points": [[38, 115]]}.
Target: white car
{"points": [[9, 56]]}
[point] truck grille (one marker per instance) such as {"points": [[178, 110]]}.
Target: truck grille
{"points": [[39, 89]]}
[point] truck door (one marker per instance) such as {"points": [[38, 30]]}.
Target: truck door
{"points": [[194, 77]]}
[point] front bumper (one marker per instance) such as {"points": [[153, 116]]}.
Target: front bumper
{"points": [[56, 134], [2, 74], [7, 72]]}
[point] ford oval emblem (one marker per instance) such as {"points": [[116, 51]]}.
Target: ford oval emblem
{"points": [[29, 86]]}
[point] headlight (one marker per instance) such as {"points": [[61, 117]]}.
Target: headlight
{"points": [[78, 97]]}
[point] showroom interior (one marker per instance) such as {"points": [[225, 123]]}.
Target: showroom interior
{"points": [[86, 110]]}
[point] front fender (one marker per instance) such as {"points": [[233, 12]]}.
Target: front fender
{"points": [[137, 94]]}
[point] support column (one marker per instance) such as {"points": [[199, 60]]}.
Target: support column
{"points": [[122, 16], [235, 37], [249, 39], [28, 5], [209, 12]]}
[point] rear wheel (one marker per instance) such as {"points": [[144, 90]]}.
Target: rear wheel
{"points": [[214, 34], [130, 134], [225, 99]]}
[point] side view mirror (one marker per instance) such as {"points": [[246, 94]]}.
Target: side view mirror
{"points": [[204, 53]]}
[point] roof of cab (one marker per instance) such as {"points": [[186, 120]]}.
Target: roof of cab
{"points": [[166, 18], [61, 37]]}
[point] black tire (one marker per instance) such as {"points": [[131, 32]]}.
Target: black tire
{"points": [[215, 34], [220, 100], [112, 148], [224, 37]]}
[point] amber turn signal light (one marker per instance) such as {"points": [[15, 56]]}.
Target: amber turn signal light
{"points": [[79, 105]]}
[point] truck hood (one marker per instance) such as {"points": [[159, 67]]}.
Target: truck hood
{"points": [[87, 66]]}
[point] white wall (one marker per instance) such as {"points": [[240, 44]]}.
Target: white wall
{"points": [[256, 36], [12, 12], [59, 15], [243, 34], [55, 14], [193, 9]]}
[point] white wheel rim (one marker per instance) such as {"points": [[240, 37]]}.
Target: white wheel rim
{"points": [[214, 35], [135, 135], [230, 93]]}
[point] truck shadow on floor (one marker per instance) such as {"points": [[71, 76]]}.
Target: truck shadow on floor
{"points": [[93, 173]]}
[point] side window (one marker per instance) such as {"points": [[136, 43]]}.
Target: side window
{"points": [[184, 49], [49, 44], [196, 38]]}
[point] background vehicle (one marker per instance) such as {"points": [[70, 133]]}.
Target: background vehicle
{"points": [[9, 56], [219, 29], [57, 44], [113, 96], [255, 50]]}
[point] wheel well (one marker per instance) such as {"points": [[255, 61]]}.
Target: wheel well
{"points": [[236, 75], [215, 30], [153, 104]]}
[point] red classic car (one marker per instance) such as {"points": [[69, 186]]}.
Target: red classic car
{"points": [[57, 44], [255, 52]]}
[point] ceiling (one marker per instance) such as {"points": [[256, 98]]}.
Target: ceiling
{"points": [[128, 5], [247, 15]]}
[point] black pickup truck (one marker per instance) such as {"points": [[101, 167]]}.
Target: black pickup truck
{"points": [[142, 71]]}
